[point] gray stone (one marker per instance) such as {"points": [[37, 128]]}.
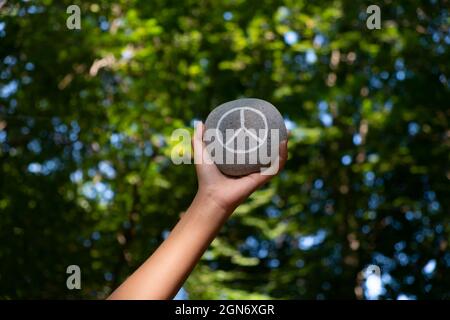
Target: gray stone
{"points": [[246, 117]]}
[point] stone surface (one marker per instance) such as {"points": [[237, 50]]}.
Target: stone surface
{"points": [[258, 115]]}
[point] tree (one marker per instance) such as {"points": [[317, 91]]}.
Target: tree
{"points": [[86, 118]]}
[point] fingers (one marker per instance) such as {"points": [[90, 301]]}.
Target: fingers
{"points": [[205, 166], [202, 160], [259, 179], [197, 142], [283, 154]]}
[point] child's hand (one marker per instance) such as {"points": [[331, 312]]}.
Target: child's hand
{"points": [[162, 275], [227, 192]]}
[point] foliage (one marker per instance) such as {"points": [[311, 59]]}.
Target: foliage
{"points": [[86, 118]]}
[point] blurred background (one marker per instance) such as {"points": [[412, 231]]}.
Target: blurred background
{"points": [[86, 118]]}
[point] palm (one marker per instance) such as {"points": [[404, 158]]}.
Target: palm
{"points": [[227, 191]]}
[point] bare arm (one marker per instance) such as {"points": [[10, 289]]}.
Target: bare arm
{"points": [[162, 275]]}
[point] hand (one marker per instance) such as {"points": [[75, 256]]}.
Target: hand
{"points": [[227, 192], [162, 275]]}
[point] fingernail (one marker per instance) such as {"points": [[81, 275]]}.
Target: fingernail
{"points": [[198, 124]]}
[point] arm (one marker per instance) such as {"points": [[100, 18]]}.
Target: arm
{"points": [[162, 275]]}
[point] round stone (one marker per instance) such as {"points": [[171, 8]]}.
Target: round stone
{"points": [[243, 133]]}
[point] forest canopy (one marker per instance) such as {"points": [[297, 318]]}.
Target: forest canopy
{"points": [[86, 118]]}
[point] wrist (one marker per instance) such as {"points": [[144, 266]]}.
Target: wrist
{"points": [[208, 197]]}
